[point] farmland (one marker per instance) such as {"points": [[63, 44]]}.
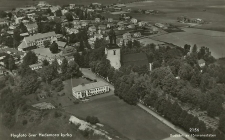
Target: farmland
{"points": [[208, 10], [123, 117], [212, 39]]}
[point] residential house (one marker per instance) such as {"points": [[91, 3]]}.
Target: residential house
{"points": [[110, 19], [72, 30], [201, 63], [64, 11], [84, 23], [137, 34], [121, 28], [131, 26], [42, 4], [36, 40], [32, 28], [102, 27], [127, 36], [4, 22], [97, 19], [36, 66], [55, 8], [92, 28], [61, 44], [110, 25], [2, 70], [86, 90], [160, 25], [18, 20], [31, 15], [121, 23], [134, 20], [72, 6], [142, 23]]}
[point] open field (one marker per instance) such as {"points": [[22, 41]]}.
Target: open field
{"points": [[9, 4], [131, 121], [215, 41], [171, 9]]}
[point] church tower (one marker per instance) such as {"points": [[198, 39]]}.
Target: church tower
{"points": [[112, 51]]}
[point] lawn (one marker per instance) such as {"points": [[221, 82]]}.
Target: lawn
{"points": [[212, 39], [131, 121]]}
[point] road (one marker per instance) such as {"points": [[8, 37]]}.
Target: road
{"points": [[180, 131], [88, 73]]}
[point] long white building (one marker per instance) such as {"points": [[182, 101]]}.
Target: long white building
{"points": [[87, 90], [36, 40]]}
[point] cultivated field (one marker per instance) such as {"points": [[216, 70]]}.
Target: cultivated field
{"points": [[131, 121], [214, 40], [9, 4], [171, 9]]}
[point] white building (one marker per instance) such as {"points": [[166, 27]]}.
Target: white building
{"points": [[133, 20], [112, 52], [36, 40], [87, 90], [36, 66]]}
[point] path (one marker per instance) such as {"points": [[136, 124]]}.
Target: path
{"points": [[180, 131]]}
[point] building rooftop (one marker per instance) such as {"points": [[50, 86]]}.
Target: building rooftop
{"points": [[89, 86], [201, 61], [39, 36]]}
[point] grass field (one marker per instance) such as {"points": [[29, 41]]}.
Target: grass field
{"points": [[171, 9], [214, 40], [9, 4], [131, 121]]}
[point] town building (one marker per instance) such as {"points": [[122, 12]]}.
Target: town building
{"points": [[36, 66], [36, 40], [86, 90], [32, 28], [201, 63], [112, 51], [134, 20]]}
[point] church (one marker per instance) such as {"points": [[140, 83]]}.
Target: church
{"points": [[112, 52]]}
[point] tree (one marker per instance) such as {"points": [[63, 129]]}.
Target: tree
{"points": [[222, 123], [57, 84], [29, 84], [30, 58], [186, 48], [58, 13], [168, 84], [12, 64], [45, 62], [48, 73], [100, 43], [73, 70], [214, 109], [23, 28], [47, 43], [194, 49], [3, 14], [64, 66], [69, 16], [185, 72], [16, 38], [54, 47]]}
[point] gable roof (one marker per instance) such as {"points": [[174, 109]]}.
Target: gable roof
{"points": [[39, 36], [89, 86], [201, 61], [33, 25]]}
